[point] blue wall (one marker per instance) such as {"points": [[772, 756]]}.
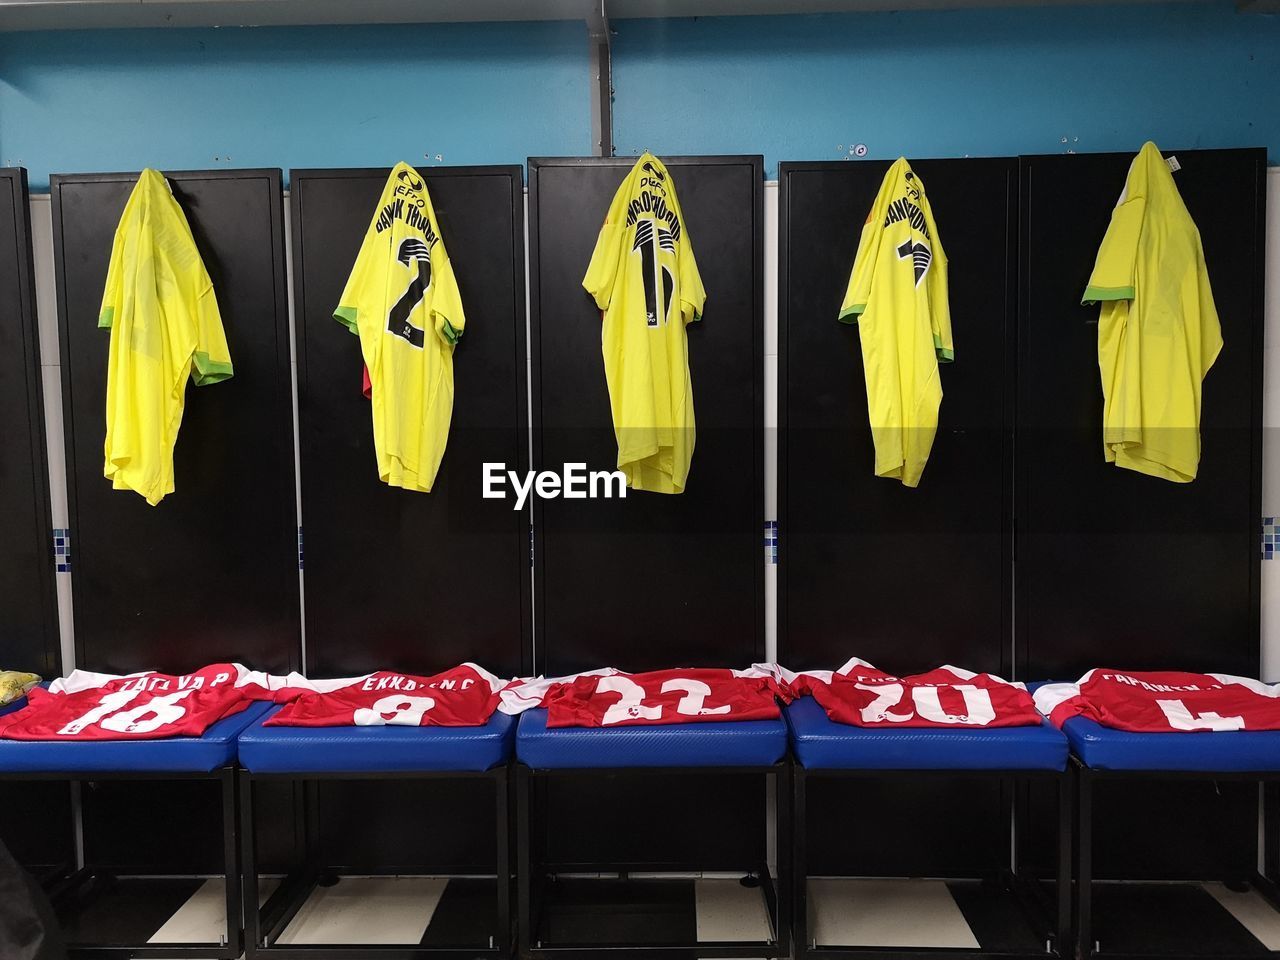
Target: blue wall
{"points": [[949, 83], [303, 97], [923, 83]]}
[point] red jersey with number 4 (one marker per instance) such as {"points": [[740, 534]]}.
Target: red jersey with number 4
{"points": [[462, 697], [1163, 701], [610, 698], [863, 696], [140, 706]]}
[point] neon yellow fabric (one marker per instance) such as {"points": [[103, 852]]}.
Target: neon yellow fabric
{"points": [[1158, 332], [897, 295], [402, 300], [160, 307], [645, 280]]}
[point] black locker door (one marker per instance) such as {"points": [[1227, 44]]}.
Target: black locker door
{"points": [[907, 579], [653, 580], [1115, 568], [211, 573], [26, 565], [401, 580]]}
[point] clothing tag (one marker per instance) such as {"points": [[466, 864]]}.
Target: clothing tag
{"points": [[1174, 165]]}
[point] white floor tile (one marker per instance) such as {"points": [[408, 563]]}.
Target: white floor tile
{"points": [[1252, 910], [373, 910], [886, 913], [203, 918], [729, 911]]}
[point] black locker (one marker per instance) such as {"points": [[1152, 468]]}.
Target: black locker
{"points": [[1118, 569], [653, 580], [211, 573], [907, 579], [396, 579], [26, 563], [34, 817]]}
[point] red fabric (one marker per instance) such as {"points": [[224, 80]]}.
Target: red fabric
{"points": [[366, 385], [863, 696], [462, 697], [145, 706], [662, 696], [1163, 701]]}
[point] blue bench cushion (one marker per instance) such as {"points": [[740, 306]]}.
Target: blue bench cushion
{"points": [[376, 749], [1237, 751], [822, 744], [216, 748], [744, 743]]}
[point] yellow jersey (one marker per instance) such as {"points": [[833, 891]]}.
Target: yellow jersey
{"points": [[897, 295], [165, 326], [1158, 332], [645, 281], [402, 300]]}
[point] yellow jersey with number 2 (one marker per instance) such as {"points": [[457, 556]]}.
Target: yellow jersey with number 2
{"points": [[897, 295], [402, 301], [1158, 332], [645, 281], [165, 326]]}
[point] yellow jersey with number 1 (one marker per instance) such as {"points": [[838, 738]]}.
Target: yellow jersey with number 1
{"points": [[897, 295], [645, 281], [1158, 331], [165, 326], [402, 300]]}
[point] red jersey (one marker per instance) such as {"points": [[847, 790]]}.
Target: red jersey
{"points": [[1163, 701], [861, 695], [609, 698], [465, 696], [140, 706]]}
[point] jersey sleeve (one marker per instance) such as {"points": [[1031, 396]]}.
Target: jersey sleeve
{"points": [[113, 292], [605, 260], [692, 295], [864, 268], [1113, 271], [1210, 326], [939, 297], [212, 361], [446, 300]]}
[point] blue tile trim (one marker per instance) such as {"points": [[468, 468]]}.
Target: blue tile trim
{"points": [[1270, 538], [62, 550], [299, 548]]}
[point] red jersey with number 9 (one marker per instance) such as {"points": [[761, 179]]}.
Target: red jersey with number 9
{"points": [[464, 696], [863, 696], [139, 706], [610, 698], [1163, 701]]}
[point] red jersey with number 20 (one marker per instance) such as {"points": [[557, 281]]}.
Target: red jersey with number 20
{"points": [[465, 696], [610, 698], [1163, 701], [140, 706], [863, 696]]}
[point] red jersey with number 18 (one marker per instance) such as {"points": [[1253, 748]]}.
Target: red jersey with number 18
{"points": [[1163, 701], [464, 696], [140, 706]]}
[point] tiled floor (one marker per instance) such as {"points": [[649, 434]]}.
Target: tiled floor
{"points": [[884, 913]]}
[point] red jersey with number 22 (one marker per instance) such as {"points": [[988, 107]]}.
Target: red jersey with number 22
{"points": [[464, 696], [1163, 701], [140, 706], [863, 696], [610, 698]]}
